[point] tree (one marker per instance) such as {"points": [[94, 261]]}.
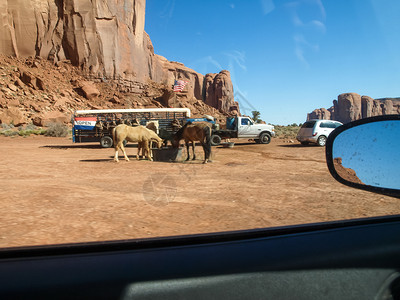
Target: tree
{"points": [[256, 116]]}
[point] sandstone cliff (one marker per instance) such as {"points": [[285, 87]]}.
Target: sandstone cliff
{"points": [[34, 90], [351, 106], [345, 173], [322, 114], [218, 92], [106, 40]]}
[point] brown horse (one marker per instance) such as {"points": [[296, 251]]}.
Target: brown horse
{"points": [[191, 133]]}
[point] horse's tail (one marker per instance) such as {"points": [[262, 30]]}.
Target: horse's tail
{"points": [[113, 135]]}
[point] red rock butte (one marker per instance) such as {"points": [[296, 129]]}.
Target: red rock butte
{"points": [[351, 106], [106, 41]]}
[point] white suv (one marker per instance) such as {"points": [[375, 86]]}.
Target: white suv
{"points": [[316, 131]]}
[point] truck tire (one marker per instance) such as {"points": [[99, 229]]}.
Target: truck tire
{"points": [[106, 142], [265, 138], [215, 140]]}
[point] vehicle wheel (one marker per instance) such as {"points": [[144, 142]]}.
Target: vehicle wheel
{"points": [[215, 140], [265, 138], [321, 141], [106, 142]]}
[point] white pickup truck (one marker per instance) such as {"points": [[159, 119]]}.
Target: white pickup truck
{"points": [[243, 127]]}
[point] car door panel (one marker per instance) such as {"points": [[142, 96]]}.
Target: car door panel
{"points": [[340, 262]]}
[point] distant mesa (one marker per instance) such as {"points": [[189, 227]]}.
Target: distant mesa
{"points": [[345, 173], [351, 106]]}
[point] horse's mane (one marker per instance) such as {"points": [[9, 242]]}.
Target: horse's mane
{"points": [[179, 133]]}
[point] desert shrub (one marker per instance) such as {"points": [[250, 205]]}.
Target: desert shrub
{"points": [[24, 132], [31, 127], [9, 132], [57, 130], [6, 126], [39, 131], [286, 132]]}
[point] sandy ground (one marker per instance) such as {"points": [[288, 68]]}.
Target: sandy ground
{"points": [[53, 191]]}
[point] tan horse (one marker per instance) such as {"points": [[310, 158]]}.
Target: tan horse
{"points": [[191, 133], [154, 139], [139, 134], [152, 125]]}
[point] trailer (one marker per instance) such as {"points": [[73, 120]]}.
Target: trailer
{"points": [[97, 125]]}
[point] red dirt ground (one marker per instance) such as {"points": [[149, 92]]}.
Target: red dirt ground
{"points": [[53, 191]]}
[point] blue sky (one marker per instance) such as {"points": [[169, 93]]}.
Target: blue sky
{"points": [[286, 58]]}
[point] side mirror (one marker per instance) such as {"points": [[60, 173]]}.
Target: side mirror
{"points": [[364, 154]]}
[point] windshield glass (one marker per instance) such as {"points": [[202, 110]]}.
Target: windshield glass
{"points": [[308, 124], [177, 71]]}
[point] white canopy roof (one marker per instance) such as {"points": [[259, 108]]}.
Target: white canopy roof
{"points": [[134, 110]]}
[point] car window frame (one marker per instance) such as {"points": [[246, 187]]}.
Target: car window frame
{"points": [[247, 120]]}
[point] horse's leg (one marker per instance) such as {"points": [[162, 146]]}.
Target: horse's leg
{"points": [[187, 149], [150, 147], [121, 146], [205, 152], [144, 151], [147, 149], [207, 145], [194, 153], [139, 147], [116, 153]]}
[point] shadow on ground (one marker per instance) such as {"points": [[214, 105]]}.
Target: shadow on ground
{"points": [[298, 146], [83, 146]]}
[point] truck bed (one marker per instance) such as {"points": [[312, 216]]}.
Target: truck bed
{"points": [[226, 133]]}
